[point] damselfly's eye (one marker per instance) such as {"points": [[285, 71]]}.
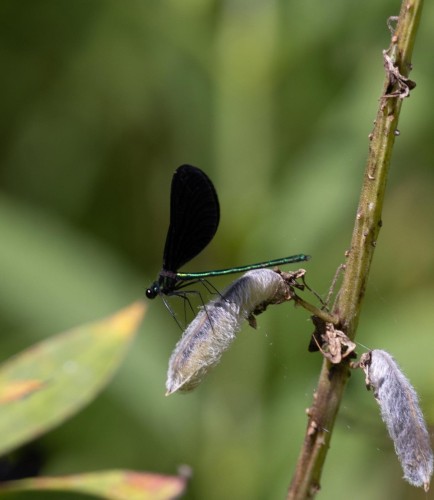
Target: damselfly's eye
{"points": [[152, 291]]}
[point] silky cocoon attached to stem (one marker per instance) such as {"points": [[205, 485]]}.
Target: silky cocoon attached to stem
{"points": [[216, 325], [402, 415]]}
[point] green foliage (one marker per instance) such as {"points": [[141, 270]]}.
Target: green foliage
{"points": [[49, 382], [99, 103]]}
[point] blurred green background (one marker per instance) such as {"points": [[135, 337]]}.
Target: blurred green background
{"points": [[100, 102]]}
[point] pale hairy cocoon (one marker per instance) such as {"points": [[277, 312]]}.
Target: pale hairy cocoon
{"points": [[402, 415], [216, 325]]}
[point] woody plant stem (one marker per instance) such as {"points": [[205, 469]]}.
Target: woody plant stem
{"points": [[333, 378]]}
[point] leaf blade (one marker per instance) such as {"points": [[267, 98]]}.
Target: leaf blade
{"points": [[52, 380]]}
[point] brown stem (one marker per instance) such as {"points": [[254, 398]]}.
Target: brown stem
{"points": [[324, 315], [333, 378]]}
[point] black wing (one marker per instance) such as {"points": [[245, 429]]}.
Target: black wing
{"points": [[194, 216]]}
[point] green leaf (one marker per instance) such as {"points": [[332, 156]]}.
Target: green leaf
{"points": [[114, 485], [46, 384]]}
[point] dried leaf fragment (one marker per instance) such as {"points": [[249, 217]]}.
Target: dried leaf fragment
{"points": [[333, 343]]}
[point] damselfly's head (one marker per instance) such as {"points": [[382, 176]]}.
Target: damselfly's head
{"points": [[165, 285], [153, 290]]}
